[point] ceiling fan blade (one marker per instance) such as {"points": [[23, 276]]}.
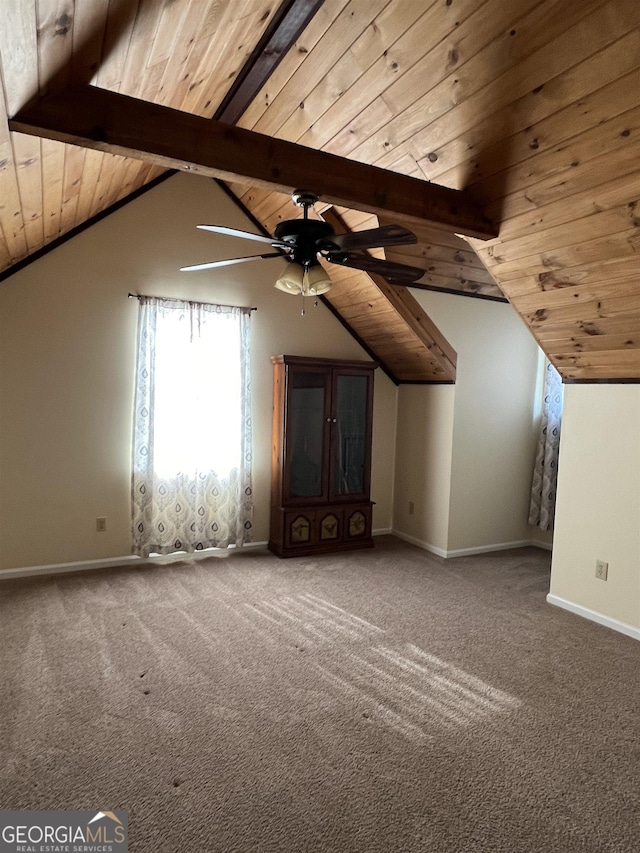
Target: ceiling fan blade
{"points": [[398, 273], [212, 264], [387, 235], [247, 235]]}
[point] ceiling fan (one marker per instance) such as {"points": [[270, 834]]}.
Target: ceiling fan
{"points": [[304, 241]]}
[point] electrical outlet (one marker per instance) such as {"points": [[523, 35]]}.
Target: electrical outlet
{"points": [[412, 507], [101, 524], [602, 570]]}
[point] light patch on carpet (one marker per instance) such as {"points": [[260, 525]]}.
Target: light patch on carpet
{"points": [[414, 693], [371, 707], [406, 689], [467, 697], [307, 618], [325, 606]]}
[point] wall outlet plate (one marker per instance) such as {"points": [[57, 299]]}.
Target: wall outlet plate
{"points": [[101, 524], [602, 570]]}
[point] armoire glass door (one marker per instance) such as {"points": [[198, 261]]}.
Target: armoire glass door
{"points": [[307, 433], [350, 437]]}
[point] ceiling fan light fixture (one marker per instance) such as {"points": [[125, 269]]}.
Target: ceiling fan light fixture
{"points": [[317, 281], [297, 280], [291, 280]]}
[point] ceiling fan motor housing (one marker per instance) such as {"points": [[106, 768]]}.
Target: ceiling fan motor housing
{"points": [[306, 237]]}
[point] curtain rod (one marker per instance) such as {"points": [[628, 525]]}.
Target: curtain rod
{"points": [[188, 301]]}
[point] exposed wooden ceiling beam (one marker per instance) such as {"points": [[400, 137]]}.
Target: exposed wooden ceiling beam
{"points": [[287, 24], [118, 124], [402, 304]]}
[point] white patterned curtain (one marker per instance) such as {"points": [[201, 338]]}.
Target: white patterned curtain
{"points": [[191, 477], [545, 472]]}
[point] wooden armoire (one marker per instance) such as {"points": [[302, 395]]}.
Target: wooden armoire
{"points": [[321, 455]]}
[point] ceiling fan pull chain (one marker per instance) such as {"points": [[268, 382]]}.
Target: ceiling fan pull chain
{"points": [[305, 283]]}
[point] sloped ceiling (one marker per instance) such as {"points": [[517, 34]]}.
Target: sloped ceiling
{"points": [[532, 108]]}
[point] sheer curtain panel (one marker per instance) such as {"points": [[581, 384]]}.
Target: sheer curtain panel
{"points": [[545, 471], [191, 475]]}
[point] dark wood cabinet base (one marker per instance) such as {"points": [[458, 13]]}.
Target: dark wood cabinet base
{"points": [[298, 531]]}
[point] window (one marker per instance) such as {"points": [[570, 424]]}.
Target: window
{"points": [[191, 479]]}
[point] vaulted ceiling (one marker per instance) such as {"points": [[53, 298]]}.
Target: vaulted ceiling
{"points": [[527, 113]]}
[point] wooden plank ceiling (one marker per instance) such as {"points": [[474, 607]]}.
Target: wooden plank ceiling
{"points": [[531, 106]]}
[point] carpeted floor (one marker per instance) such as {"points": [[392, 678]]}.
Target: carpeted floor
{"points": [[383, 700]]}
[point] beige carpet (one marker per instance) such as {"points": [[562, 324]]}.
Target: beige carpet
{"points": [[384, 700]]}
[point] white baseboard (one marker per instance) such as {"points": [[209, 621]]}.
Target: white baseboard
{"points": [[382, 531], [487, 549], [426, 546], [63, 568], [111, 562], [594, 616], [536, 543], [469, 552]]}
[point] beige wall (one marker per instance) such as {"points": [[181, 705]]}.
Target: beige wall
{"points": [[67, 354], [490, 412], [598, 502], [423, 464]]}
